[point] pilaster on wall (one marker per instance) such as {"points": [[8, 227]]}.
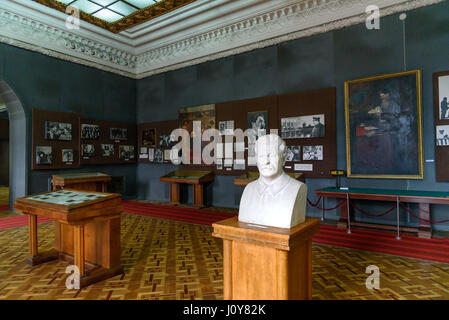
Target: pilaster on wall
{"points": [[202, 31]]}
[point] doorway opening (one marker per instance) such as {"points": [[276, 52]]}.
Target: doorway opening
{"points": [[4, 158]]}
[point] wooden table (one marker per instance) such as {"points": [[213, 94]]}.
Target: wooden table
{"points": [[89, 181], [266, 263], [250, 176], [195, 178], [87, 226], [423, 198]]}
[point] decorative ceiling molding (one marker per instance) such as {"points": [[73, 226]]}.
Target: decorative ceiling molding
{"points": [[138, 17], [201, 31]]}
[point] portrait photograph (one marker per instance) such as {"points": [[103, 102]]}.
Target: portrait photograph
{"points": [[107, 150], [149, 137], [126, 152], [312, 153], [58, 131], [384, 126], [67, 155], [158, 155], [88, 150], [258, 121], [165, 140], [442, 135], [443, 94], [226, 127], [43, 155], [151, 154], [205, 114], [118, 134], [90, 131], [303, 127], [293, 154]]}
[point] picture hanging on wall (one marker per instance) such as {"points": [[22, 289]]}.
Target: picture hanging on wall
{"points": [[312, 153], [90, 131], [151, 154], [43, 155], [384, 126], [158, 155], [107, 150], [303, 127], [205, 114], [226, 127], [165, 140], [443, 94], [258, 121], [58, 131], [442, 135], [118, 134], [149, 137], [88, 150], [67, 155], [126, 152], [293, 153]]}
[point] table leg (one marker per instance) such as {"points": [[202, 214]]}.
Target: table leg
{"points": [[198, 195], [425, 228], [78, 247], [343, 222], [32, 222], [174, 193]]}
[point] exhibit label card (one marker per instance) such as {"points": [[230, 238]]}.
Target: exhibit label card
{"points": [[303, 167]]}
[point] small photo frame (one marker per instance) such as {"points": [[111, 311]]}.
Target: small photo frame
{"points": [[293, 154], [126, 152], [67, 156], [149, 137], [90, 131], [312, 153], [118, 134], [58, 131], [88, 150], [107, 150], [43, 155]]}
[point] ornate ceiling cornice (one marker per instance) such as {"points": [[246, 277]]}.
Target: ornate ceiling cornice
{"points": [[145, 14], [194, 34]]}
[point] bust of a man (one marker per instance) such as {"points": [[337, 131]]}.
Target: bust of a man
{"points": [[275, 199]]}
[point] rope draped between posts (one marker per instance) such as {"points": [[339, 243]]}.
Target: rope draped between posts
{"points": [[417, 217], [325, 209], [370, 214]]}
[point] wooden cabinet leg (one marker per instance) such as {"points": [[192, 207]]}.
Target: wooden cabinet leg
{"points": [[343, 222], [425, 228], [174, 193], [198, 195], [78, 247], [32, 222], [227, 269]]}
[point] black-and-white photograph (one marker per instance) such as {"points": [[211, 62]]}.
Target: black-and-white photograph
{"points": [[442, 135], [88, 150], [58, 131], [312, 153], [303, 127], [226, 127], [293, 153], [126, 152], [165, 141], [107, 150], [118, 134], [43, 155], [158, 155], [90, 131], [443, 94], [258, 121], [67, 155]]}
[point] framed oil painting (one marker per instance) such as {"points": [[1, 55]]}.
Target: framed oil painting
{"points": [[384, 126]]}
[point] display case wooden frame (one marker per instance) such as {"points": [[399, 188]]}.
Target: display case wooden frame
{"points": [[39, 117]]}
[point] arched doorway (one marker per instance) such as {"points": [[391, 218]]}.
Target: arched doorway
{"points": [[18, 155]]}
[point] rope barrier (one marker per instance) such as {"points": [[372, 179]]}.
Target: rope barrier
{"points": [[370, 214], [314, 204], [336, 207], [429, 221]]}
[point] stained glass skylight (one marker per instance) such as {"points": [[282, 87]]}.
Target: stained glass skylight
{"points": [[109, 10]]}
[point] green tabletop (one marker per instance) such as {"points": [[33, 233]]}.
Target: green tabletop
{"points": [[411, 193]]}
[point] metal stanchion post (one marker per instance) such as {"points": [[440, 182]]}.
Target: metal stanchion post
{"points": [[398, 237], [349, 216], [322, 209]]}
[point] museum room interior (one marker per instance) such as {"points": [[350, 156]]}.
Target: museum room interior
{"points": [[224, 150]]}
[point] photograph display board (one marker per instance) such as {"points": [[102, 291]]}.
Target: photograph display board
{"points": [[150, 147], [441, 118], [55, 140]]}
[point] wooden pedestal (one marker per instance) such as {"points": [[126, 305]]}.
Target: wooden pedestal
{"points": [[266, 263]]}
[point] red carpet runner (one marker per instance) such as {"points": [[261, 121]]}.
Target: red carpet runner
{"points": [[370, 240]]}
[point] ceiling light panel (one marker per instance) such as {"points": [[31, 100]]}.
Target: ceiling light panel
{"points": [[107, 15], [122, 8], [103, 3], [86, 6], [141, 3]]}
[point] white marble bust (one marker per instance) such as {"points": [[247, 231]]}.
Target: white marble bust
{"points": [[275, 199]]}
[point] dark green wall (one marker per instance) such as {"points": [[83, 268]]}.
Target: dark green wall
{"points": [[44, 82], [319, 61]]}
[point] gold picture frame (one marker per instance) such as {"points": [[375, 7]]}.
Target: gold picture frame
{"points": [[383, 119]]}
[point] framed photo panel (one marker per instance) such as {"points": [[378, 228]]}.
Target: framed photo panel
{"points": [[384, 126]]}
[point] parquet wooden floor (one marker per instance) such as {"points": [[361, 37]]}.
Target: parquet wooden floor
{"points": [[173, 260]]}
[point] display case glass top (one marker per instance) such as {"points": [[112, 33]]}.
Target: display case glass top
{"points": [[66, 197], [80, 175]]}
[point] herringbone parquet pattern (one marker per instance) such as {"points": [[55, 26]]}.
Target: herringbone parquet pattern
{"points": [[172, 260]]}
